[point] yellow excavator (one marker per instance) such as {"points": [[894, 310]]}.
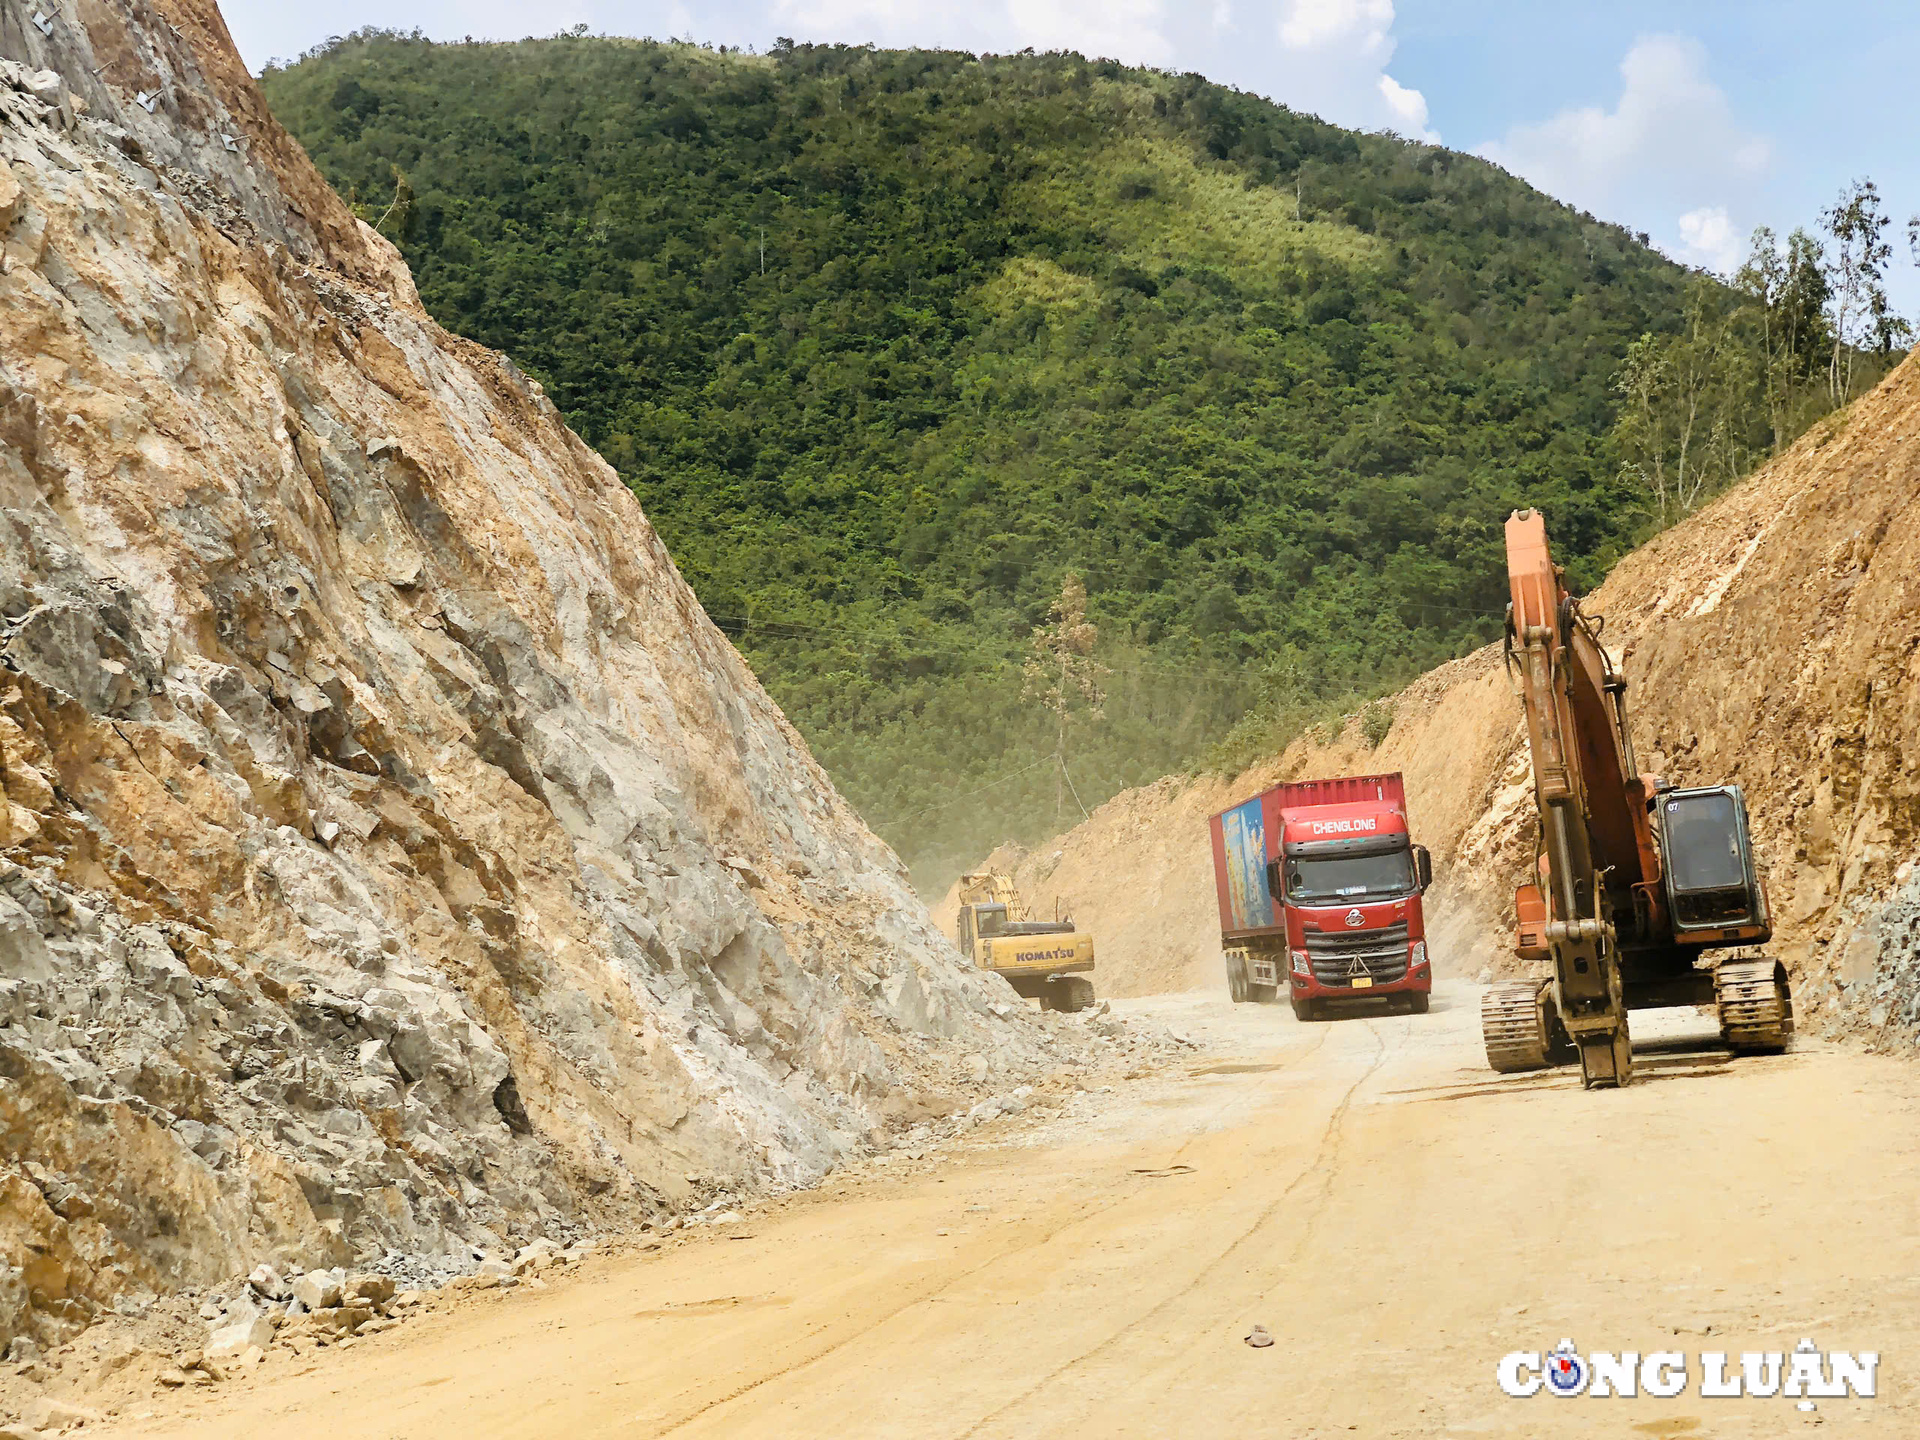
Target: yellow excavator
{"points": [[1044, 960], [1640, 882]]}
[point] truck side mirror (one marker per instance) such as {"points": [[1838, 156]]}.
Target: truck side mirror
{"points": [[1423, 865], [1273, 878]]}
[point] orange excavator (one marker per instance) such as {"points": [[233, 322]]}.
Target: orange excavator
{"points": [[1640, 883]]}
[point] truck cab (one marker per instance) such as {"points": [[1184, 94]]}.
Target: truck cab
{"points": [[1320, 888]]}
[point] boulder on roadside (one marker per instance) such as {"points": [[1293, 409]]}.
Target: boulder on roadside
{"points": [[341, 1319], [368, 1287], [265, 1282], [235, 1338], [317, 1290]]}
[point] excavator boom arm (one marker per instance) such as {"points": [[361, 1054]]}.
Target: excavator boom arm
{"points": [[1594, 834], [1609, 900]]}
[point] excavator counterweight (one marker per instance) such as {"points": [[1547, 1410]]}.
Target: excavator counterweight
{"points": [[1639, 881]]}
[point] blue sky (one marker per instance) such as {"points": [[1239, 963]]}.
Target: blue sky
{"points": [[1693, 120]]}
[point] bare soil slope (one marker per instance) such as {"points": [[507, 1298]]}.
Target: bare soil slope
{"points": [[1769, 640]]}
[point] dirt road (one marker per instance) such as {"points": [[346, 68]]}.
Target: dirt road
{"points": [[1396, 1215]]}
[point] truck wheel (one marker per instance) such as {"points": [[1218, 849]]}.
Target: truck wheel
{"points": [[1071, 995], [1417, 1002], [1237, 986], [1305, 1011]]}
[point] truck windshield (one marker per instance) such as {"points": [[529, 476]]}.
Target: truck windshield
{"points": [[1340, 877]]}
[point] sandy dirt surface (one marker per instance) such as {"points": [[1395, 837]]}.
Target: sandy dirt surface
{"points": [[1396, 1216]]}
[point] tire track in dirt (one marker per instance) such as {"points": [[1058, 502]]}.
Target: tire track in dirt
{"points": [[1082, 1216], [1326, 1151]]}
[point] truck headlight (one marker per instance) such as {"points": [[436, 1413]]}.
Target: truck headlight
{"points": [[1300, 965], [1417, 956]]}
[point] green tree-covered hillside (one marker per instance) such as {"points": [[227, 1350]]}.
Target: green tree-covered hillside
{"points": [[890, 343]]}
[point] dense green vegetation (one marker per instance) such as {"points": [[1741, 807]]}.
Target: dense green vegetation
{"points": [[888, 343]]}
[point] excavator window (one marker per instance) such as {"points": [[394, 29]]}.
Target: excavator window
{"points": [[1708, 870], [992, 920]]}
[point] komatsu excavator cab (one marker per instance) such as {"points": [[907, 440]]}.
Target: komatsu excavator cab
{"points": [[1711, 881]]}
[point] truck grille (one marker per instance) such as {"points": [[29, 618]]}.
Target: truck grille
{"points": [[1338, 956]]}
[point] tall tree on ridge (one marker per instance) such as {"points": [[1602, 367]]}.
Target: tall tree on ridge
{"points": [[1787, 289], [1858, 226], [1063, 675]]}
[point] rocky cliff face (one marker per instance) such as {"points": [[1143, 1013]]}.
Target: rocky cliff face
{"points": [[393, 855], [1773, 640]]}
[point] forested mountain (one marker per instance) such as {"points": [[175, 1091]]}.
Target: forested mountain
{"points": [[889, 343]]}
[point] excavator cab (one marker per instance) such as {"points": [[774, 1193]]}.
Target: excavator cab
{"points": [[1711, 881]]}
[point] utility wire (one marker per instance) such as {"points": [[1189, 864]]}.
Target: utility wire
{"points": [[1054, 759], [1129, 579], [1074, 789], [990, 785], [742, 626], [1225, 671]]}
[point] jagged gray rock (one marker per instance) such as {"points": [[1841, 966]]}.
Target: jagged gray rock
{"points": [[393, 858]]}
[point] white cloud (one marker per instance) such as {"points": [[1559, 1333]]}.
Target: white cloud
{"points": [[1708, 239], [1310, 24], [1409, 107], [1124, 29], [1334, 56], [1670, 157]]}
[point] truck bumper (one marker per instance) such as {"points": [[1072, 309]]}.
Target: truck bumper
{"points": [[1417, 980]]}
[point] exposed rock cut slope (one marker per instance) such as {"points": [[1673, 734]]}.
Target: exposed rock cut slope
{"points": [[1771, 640], [393, 853]]}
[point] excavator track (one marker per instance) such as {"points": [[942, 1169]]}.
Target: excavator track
{"points": [[1756, 1007], [1513, 1024]]}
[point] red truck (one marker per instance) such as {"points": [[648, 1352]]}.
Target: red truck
{"points": [[1319, 884]]}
